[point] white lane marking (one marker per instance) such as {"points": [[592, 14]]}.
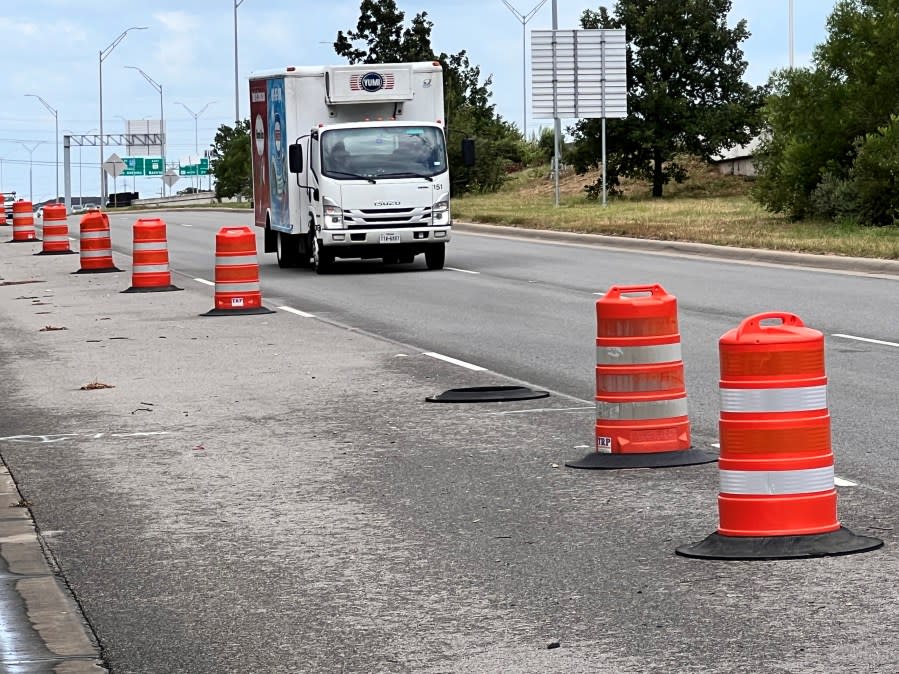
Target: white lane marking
{"points": [[454, 361], [464, 271], [291, 310], [600, 294], [866, 339], [184, 224], [716, 445], [544, 409], [204, 281], [840, 482]]}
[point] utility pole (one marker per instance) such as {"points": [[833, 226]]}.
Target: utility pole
{"points": [[524, 18]]}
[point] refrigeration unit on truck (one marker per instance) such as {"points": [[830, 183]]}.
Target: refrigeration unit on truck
{"points": [[351, 162]]}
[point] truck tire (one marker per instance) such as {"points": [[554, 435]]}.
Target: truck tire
{"points": [[322, 259], [287, 250], [435, 255]]}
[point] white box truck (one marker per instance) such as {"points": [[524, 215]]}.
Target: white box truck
{"points": [[350, 162]]}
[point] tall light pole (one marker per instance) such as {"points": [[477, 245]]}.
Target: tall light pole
{"points": [[56, 117], [30, 158], [103, 54], [524, 18], [196, 116], [158, 88], [237, 3], [790, 29]]}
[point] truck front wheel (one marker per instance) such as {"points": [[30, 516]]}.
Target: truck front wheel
{"points": [[435, 255], [288, 250], [322, 259]]}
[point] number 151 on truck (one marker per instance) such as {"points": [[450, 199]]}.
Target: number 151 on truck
{"points": [[351, 162]]}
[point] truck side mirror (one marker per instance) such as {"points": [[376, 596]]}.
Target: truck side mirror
{"points": [[468, 151], [295, 158]]}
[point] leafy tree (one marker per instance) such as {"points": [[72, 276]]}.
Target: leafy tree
{"points": [[230, 161], [380, 37], [831, 143], [686, 94]]}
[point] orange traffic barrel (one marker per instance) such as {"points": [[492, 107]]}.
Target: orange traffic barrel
{"points": [[56, 231], [777, 497], [3, 217], [23, 222], [96, 245], [641, 397], [150, 271], [237, 289]]}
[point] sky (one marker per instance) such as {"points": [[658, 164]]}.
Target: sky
{"points": [[51, 49]]}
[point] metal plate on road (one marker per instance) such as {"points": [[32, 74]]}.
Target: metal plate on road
{"points": [[390, 237]]}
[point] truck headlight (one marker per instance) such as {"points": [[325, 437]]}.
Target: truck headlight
{"points": [[440, 212], [333, 216]]}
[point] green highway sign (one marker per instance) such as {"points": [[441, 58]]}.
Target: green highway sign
{"points": [[143, 166], [200, 169]]}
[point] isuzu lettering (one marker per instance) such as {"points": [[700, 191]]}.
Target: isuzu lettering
{"points": [[351, 162]]}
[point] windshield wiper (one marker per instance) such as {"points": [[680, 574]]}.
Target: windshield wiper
{"points": [[406, 174], [353, 175]]}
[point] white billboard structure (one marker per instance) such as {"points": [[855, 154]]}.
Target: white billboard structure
{"points": [[144, 137], [579, 74]]}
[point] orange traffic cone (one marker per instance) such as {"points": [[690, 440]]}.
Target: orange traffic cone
{"points": [[96, 246], [56, 231], [641, 399], [23, 222], [150, 272], [777, 498], [236, 274]]}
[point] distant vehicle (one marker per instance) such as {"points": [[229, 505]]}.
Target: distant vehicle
{"points": [[91, 207], [9, 198], [39, 213], [77, 208]]}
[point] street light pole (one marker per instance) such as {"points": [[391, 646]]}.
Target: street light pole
{"points": [[196, 116], [237, 3], [158, 88], [30, 163], [524, 18], [102, 57], [56, 117]]}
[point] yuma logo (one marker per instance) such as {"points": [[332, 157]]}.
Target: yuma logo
{"points": [[372, 82]]}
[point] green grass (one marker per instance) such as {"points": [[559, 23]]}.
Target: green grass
{"points": [[708, 208]]}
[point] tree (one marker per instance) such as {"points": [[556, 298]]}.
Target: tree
{"points": [[230, 161], [831, 145], [686, 94], [469, 113]]}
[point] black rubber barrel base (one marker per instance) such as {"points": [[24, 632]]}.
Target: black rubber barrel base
{"points": [[487, 394], [839, 542], [157, 289], [238, 312], [601, 461], [57, 252], [104, 270], [24, 241]]}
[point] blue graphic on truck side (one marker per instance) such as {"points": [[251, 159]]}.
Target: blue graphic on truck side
{"points": [[277, 153]]}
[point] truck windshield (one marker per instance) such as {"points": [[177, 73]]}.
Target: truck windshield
{"points": [[383, 151]]}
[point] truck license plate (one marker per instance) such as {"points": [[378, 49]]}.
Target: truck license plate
{"points": [[390, 237]]}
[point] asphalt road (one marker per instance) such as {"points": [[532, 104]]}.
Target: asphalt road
{"points": [[273, 494]]}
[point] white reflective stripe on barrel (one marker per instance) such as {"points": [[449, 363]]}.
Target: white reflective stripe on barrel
{"points": [[235, 260], [149, 268], [637, 355], [156, 245], [236, 287], [54, 237], [776, 481], [796, 399], [95, 234], [96, 253], [658, 409]]}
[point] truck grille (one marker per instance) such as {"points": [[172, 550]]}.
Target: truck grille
{"points": [[387, 218]]}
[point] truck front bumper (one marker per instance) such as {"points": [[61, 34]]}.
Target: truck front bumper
{"points": [[380, 242]]}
